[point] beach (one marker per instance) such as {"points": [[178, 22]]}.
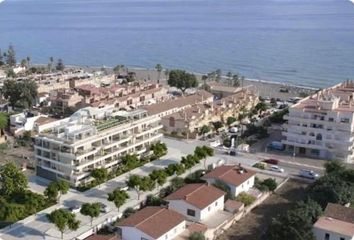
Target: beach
{"points": [[263, 88]]}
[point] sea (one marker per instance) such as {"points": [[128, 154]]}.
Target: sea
{"points": [[299, 42]]}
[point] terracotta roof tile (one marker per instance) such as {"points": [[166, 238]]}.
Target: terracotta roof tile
{"points": [[230, 174], [154, 221], [103, 237], [339, 212], [199, 195], [334, 225]]}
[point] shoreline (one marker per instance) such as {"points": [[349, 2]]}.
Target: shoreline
{"points": [[201, 74], [263, 88]]}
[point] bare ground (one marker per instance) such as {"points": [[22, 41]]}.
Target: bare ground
{"points": [[254, 225]]}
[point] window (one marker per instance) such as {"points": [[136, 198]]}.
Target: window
{"points": [[209, 208], [344, 120], [191, 212], [327, 236], [142, 238], [216, 203], [330, 119], [342, 238], [172, 122]]}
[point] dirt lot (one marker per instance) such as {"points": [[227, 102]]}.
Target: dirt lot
{"points": [[254, 224]]}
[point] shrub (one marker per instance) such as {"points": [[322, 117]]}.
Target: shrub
{"points": [[246, 198]]}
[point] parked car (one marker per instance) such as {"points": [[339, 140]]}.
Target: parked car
{"points": [[308, 174], [104, 208], [123, 187], [75, 208], [276, 169], [271, 161]]}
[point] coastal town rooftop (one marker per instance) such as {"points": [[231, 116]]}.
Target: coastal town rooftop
{"points": [[338, 98], [89, 121]]}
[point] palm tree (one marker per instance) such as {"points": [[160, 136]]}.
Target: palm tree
{"points": [[159, 69], [204, 79], [28, 61], [51, 61], [229, 78]]}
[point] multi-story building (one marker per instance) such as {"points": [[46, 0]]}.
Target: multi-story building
{"points": [[322, 125], [93, 138]]}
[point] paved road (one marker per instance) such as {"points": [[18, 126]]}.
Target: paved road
{"points": [[37, 227]]}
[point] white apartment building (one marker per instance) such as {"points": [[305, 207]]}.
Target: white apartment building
{"points": [[321, 125], [93, 138]]}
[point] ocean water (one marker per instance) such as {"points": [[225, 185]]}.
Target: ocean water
{"points": [[303, 42]]}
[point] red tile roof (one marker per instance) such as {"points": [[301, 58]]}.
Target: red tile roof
{"points": [[339, 212], [103, 237], [154, 221], [199, 195], [231, 174], [334, 225]]}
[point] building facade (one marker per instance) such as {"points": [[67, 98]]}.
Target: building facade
{"points": [[321, 125], [93, 138]]}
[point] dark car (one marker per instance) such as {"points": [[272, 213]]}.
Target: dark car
{"points": [[271, 161]]}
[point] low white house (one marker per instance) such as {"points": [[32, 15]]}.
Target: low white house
{"points": [[197, 201], [237, 178], [337, 223], [152, 223]]}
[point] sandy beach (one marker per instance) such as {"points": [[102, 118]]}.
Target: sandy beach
{"points": [[264, 88]]}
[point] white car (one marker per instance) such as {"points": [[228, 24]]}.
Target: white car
{"points": [[104, 208], [75, 208], [276, 169], [308, 174]]}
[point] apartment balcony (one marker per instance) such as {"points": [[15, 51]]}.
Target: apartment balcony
{"points": [[149, 129]]}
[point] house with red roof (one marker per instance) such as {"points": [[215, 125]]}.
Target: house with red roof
{"points": [[237, 178], [152, 223], [197, 202], [337, 223]]}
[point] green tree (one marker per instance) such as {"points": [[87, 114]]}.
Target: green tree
{"points": [[159, 176], [60, 65], [261, 107], [12, 180], [55, 189], [28, 60], [224, 187], [29, 93], [182, 80], [295, 224], [11, 56], [229, 78], [91, 209], [235, 80], [23, 63], [217, 125], [334, 167], [152, 200], [177, 183], [63, 219], [4, 119], [159, 149], [159, 69], [204, 129], [10, 73], [218, 74], [11, 92], [130, 161], [331, 189], [134, 182], [231, 120], [196, 236], [146, 184], [119, 197], [100, 175], [1, 59], [117, 69]]}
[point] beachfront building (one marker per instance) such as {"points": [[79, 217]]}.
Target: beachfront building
{"points": [[152, 223], [93, 138], [322, 125], [237, 178], [197, 202], [337, 223]]}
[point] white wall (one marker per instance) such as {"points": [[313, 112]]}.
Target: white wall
{"points": [[200, 214], [132, 233], [174, 232], [320, 235]]}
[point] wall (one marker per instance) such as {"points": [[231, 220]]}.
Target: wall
{"points": [[320, 235], [200, 214], [182, 206]]}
